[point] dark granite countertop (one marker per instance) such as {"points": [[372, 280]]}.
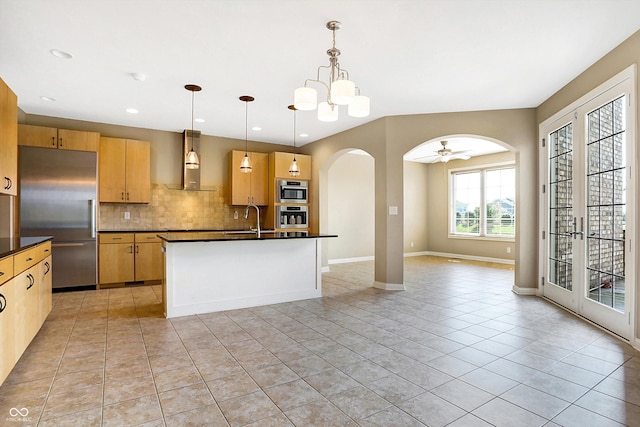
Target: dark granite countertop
{"points": [[214, 236], [11, 245]]}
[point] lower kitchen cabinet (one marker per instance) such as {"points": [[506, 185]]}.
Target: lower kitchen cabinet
{"points": [[25, 301], [148, 259], [129, 257]]}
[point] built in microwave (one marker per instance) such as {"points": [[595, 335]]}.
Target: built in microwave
{"points": [[293, 191], [292, 216]]}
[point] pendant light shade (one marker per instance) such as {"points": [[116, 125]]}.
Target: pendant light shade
{"points": [[305, 98], [294, 170], [191, 160], [359, 107], [245, 165], [327, 113], [342, 92]]}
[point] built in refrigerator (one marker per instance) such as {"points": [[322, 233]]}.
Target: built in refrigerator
{"points": [[58, 191]]}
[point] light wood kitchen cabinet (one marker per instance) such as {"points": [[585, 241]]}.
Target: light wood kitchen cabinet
{"points": [[129, 257], [148, 257], [46, 286], [249, 187], [63, 139], [8, 140], [280, 162], [27, 295], [25, 301], [124, 171], [8, 306], [116, 258]]}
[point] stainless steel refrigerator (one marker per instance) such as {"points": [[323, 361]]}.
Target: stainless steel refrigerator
{"points": [[58, 191]]}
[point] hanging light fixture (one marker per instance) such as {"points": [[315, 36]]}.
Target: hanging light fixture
{"points": [[340, 90], [191, 160], [245, 165], [294, 170]]}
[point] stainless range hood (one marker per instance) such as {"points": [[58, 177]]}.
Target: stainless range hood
{"points": [[190, 177]]}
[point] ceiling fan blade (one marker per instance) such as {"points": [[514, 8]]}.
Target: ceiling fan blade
{"points": [[437, 159], [460, 157], [431, 156]]}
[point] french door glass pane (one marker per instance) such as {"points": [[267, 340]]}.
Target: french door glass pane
{"points": [[606, 204], [561, 207]]}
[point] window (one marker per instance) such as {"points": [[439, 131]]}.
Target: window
{"points": [[484, 202]]}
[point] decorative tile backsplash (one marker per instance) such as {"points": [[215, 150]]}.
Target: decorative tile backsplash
{"points": [[177, 210]]}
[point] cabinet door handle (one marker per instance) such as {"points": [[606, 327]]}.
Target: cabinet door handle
{"points": [[137, 249], [9, 183], [1, 273], [131, 249], [29, 259], [53, 141], [60, 145], [127, 195], [46, 264], [3, 303], [116, 238], [31, 281], [122, 196]]}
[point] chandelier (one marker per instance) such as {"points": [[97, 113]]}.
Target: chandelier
{"points": [[340, 90]]}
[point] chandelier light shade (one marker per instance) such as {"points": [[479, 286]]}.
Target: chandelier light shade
{"points": [[294, 169], [245, 165], [191, 160], [340, 90]]}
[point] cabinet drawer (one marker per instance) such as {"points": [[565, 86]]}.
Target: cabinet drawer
{"points": [[6, 269], [147, 238], [25, 259], [116, 238], [45, 250]]}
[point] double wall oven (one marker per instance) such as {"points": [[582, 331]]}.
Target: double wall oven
{"points": [[292, 210]]}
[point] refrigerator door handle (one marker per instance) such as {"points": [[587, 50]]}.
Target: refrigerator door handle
{"points": [[93, 218]]}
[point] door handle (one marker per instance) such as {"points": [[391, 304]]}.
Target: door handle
{"points": [[46, 264], [53, 141], [94, 213], [60, 145], [3, 303], [31, 281]]}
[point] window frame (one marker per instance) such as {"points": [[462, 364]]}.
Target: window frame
{"points": [[483, 220]]}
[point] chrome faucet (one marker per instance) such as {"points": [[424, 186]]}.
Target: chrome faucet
{"points": [[246, 215]]}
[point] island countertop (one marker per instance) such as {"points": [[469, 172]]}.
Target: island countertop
{"points": [[213, 236], [11, 245]]}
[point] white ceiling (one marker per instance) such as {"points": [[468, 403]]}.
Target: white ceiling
{"points": [[408, 56]]}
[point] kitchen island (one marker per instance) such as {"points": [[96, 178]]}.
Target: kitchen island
{"points": [[215, 271]]}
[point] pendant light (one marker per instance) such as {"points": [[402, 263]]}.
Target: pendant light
{"points": [[245, 165], [340, 90], [294, 170], [191, 160]]}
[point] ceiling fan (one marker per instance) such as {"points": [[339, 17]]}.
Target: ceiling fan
{"points": [[445, 154]]}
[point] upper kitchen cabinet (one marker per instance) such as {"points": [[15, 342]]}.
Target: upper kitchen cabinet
{"points": [[8, 140], [124, 171], [280, 162], [64, 139], [249, 187]]}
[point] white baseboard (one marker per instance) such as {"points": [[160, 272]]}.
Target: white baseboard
{"points": [[389, 286], [636, 344], [346, 260], [470, 257], [524, 291], [325, 269], [421, 253]]}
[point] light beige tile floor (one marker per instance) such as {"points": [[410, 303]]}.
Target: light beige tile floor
{"points": [[456, 348]]}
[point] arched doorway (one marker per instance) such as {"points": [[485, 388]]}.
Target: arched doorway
{"points": [[459, 199]]}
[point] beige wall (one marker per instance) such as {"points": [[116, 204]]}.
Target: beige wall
{"points": [[351, 202], [623, 56], [417, 198], [388, 139], [438, 211]]}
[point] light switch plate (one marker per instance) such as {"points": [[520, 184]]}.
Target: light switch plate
{"points": [[127, 215], [393, 210]]}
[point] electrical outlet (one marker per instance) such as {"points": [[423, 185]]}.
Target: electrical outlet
{"points": [[235, 215], [127, 215], [411, 244], [508, 249]]}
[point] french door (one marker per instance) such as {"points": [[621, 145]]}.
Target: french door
{"points": [[589, 209]]}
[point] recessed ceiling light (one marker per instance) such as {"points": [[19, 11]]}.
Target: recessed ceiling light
{"points": [[61, 54], [256, 128], [132, 111], [47, 98], [139, 76], [304, 135], [199, 120]]}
